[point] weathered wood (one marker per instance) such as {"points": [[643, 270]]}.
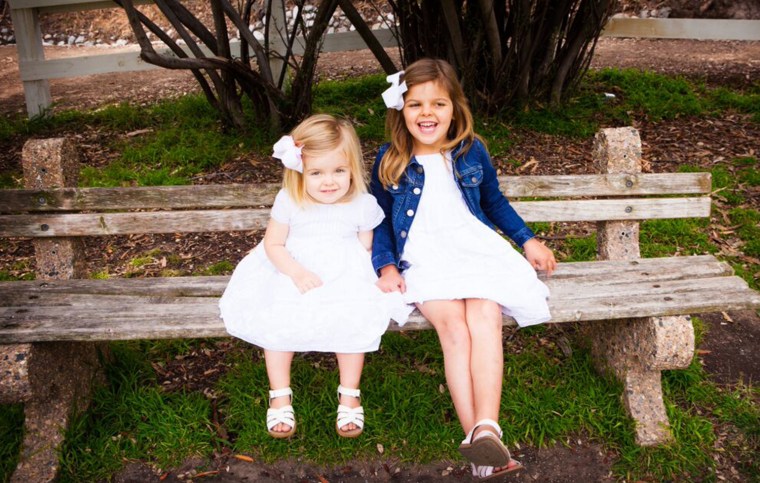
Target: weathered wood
{"points": [[98, 224], [153, 197], [246, 195], [602, 272], [130, 317], [590, 185], [29, 45], [683, 28]]}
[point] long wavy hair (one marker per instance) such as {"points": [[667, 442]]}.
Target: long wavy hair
{"points": [[319, 135], [397, 157]]}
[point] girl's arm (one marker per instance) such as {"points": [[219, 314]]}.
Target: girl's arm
{"points": [[274, 246], [383, 242], [365, 238], [500, 212]]}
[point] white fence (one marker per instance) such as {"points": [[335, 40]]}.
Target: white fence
{"points": [[35, 70]]}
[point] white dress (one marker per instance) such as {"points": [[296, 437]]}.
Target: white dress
{"points": [[347, 314], [453, 255]]}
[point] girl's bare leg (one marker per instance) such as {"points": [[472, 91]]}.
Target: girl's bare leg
{"points": [[487, 357], [350, 367], [448, 318], [278, 371]]}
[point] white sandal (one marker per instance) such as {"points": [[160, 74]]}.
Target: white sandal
{"points": [[284, 415], [347, 415], [486, 449], [484, 473]]}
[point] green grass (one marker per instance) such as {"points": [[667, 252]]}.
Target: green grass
{"points": [[133, 418], [11, 434], [547, 399]]}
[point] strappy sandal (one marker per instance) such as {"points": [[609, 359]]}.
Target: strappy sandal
{"points": [[347, 415], [284, 415], [486, 449], [483, 473]]}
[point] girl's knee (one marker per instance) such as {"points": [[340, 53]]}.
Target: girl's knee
{"points": [[452, 330]]}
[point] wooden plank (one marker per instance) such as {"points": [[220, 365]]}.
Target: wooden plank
{"points": [[617, 209], [29, 46], [683, 28], [607, 272], [142, 321], [149, 197], [55, 6], [561, 289], [239, 195], [591, 185], [99, 224], [128, 59]]}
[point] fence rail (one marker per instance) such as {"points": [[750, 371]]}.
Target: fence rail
{"points": [[35, 70]]}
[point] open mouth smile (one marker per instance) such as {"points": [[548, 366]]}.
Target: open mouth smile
{"points": [[427, 126]]}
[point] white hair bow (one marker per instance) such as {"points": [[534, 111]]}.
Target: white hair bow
{"points": [[286, 151], [394, 95]]}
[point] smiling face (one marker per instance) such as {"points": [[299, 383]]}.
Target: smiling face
{"points": [[327, 178], [428, 111]]}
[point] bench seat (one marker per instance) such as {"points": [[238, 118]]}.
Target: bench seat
{"points": [[186, 307]]}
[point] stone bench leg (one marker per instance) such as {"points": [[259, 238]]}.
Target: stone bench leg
{"points": [[52, 379], [635, 350]]}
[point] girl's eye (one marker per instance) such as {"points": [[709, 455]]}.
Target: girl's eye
{"points": [[340, 170]]}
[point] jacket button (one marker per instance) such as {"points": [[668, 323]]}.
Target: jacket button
{"points": [[409, 212], [419, 169], [402, 234], [474, 179], [417, 191], [395, 186]]}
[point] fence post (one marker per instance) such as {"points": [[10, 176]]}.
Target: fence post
{"points": [[60, 374], [635, 350], [26, 26]]}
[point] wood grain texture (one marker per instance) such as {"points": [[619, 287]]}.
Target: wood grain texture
{"points": [[246, 195], [187, 307]]}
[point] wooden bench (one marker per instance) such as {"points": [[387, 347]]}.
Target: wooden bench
{"points": [[636, 309]]}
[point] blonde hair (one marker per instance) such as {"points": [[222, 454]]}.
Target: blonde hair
{"points": [[319, 135], [397, 157]]}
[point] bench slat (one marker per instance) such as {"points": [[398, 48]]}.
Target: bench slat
{"points": [[98, 224], [613, 286], [130, 319], [246, 195], [600, 272]]}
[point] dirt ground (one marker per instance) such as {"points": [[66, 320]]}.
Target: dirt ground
{"points": [[733, 62], [729, 352]]}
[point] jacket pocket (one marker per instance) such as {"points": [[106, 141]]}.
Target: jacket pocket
{"points": [[471, 177]]}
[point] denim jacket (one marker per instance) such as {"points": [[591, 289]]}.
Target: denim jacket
{"points": [[476, 178]]}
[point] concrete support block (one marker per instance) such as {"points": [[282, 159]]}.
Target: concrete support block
{"points": [[52, 379], [635, 350]]}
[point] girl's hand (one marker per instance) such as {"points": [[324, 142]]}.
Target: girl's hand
{"points": [[390, 280], [540, 256], [306, 280]]}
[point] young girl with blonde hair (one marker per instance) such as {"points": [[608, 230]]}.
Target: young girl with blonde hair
{"points": [[438, 246], [310, 286]]}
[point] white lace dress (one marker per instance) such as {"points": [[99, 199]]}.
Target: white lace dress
{"points": [[453, 255], [347, 314]]}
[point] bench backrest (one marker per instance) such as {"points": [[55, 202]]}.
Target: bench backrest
{"points": [[65, 212]]}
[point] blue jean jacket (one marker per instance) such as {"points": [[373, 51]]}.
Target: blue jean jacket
{"points": [[476, 178]]}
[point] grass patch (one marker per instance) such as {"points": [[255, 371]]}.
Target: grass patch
{"points": [[11, 435], [357, 100], [132, 418]]}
